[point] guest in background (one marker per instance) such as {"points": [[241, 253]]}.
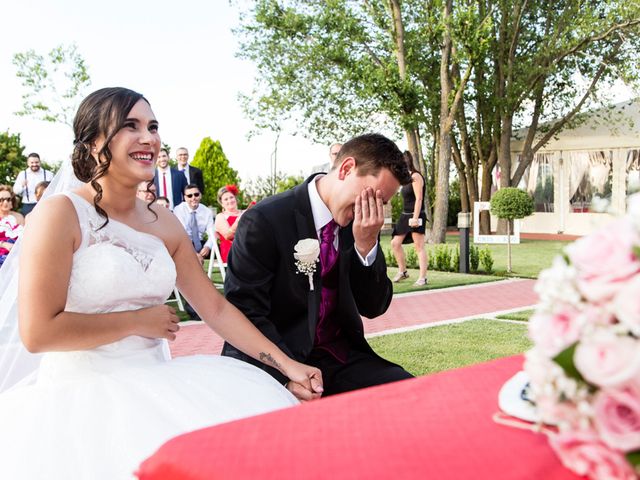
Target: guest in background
{"points": [[191, 173], [334, 150], [227, 220], [412, 221], [163, 201], [169, 182], [11, 222], [196, 219], [146, 192], [40, 188], [27, 180]]}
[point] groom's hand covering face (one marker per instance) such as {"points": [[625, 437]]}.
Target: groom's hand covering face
{"points": [[368, 219], [368, 208]]}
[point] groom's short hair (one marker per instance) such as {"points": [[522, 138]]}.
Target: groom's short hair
{"points": [[373, 152]]}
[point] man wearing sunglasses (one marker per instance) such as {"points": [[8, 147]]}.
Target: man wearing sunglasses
{"points": [[196, 219]]}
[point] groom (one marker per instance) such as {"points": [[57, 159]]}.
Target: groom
{"points": [[318, 322]]}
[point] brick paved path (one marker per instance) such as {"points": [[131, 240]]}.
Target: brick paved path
{"points": [[407, 311]]}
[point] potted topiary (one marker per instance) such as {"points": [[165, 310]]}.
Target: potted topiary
{"points": [[511, 203]]}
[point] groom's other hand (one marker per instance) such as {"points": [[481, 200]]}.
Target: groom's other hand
{"points": [[301, 392], [368, 220], [305, 381]]}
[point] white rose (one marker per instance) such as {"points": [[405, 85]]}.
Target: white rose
{"points": [[307, 250]]}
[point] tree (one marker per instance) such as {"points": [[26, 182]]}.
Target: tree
{"points": [[12, 158], [54, 83], [262, 187], [509, 204], [371, 65], [216, 172], [457, 77]]}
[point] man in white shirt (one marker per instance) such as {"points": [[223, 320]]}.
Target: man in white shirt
{"points": [[197, 220], [192, 174], [27, 181], [169, 182]]}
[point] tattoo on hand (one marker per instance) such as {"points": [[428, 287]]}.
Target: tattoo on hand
{"points": [[267, 358]]}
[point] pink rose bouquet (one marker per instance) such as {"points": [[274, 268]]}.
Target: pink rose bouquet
{"points": [[584, 368]]}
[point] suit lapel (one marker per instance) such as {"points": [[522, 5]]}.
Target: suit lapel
{"points": [[305, 228]]}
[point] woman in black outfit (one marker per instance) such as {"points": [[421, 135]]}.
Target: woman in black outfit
{"points": [[412, 220]]}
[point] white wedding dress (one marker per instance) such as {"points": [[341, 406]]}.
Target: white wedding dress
{"points": [[97, 414]]}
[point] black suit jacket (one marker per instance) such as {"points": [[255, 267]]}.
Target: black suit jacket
{"points": [[178, 182], [195, 177], [262, 280]]}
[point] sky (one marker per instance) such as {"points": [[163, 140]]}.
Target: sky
{"points": [[179, 54]]}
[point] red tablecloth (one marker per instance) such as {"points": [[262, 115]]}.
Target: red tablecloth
{"points": [[434, 427]]}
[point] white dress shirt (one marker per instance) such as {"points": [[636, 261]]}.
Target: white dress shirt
{"points": [[33, 179], [322, 215], [169, 192], [204, 217]]}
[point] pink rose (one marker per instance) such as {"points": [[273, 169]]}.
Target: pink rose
{"points": [[605, 260], [606, 359], [617, 417], [626, 305], [553, 411], [553, 332], [596, 315], [583, 453]]}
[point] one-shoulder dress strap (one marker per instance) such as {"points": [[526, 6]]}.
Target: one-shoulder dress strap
{"points": [[85, 212]]}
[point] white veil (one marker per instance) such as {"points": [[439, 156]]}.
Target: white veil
{"points": [[17, 365]]}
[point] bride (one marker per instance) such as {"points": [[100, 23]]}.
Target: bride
{"points": [[104, 394]]}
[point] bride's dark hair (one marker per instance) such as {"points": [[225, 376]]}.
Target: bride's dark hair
{"points": [[103, 112]]}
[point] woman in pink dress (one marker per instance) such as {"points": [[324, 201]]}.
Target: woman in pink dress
{"points": [[11, 222], [227, 220]]}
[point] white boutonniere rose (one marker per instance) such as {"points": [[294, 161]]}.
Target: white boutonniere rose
{"points": [[306, 253]]}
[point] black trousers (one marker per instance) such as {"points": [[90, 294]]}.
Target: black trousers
{"points": [[361, 370]]}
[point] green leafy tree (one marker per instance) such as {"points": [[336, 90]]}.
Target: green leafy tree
{"points": [[335, 68], [262, 187], [12, 158], [216, 172], [54, 83], [508, 204]]}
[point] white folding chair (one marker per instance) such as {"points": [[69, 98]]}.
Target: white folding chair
{"points": [[216, 259], [178, 299]]}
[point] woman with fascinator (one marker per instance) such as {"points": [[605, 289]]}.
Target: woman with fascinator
{"points": [[227, 221], [88, 389]]}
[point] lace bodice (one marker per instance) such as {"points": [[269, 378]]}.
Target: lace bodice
{"points": [[116, 268]]}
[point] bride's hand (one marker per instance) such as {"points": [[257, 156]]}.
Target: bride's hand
{"points": [[305, 381], [160, 321]]}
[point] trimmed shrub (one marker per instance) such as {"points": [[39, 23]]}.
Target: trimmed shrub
{"points": [[474, 258], [486, 258], [412, 258]]}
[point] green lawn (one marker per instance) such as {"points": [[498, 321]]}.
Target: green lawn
{"points": [[527, 258], [435, 349], [522, 315], [437, 280]]}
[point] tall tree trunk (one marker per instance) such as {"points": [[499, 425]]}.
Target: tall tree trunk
{"points": [[439, 230], [462, 175], [411, 132]]}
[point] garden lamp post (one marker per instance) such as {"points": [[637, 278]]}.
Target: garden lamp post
{"points": [[464, 222]]}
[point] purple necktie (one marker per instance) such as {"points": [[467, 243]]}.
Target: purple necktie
{"points": [[328, 336], [328, 253]]}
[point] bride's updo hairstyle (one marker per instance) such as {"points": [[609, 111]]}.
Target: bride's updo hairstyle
{"points": [[103, 112]]}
